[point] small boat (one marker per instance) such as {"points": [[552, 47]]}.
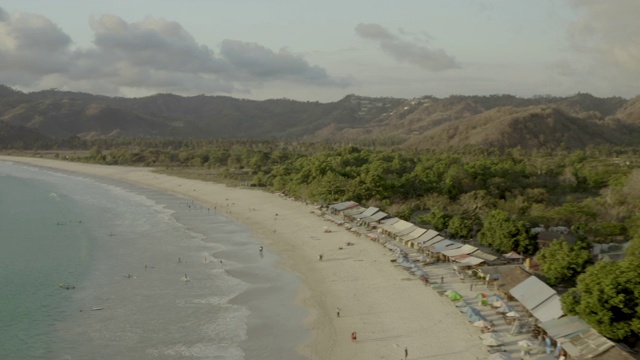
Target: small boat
{"points": [[96, 308]]}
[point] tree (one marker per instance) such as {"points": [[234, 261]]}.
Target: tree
{"points": [[438, 219], [561, 263], [461, 227], [607, 297], [524, 241], [505, 234], [633, 250]]}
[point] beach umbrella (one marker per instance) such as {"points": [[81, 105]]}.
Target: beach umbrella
{"points": [[504, 309], [482, 324], [475, 318], [493, 342], [481, 296], [525, 343], [449, 292], [494, 298], [455, 296], [461, 304], [513, 314], [469, 311], [464, 309]]}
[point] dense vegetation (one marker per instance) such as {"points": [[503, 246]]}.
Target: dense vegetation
{"points": [[496, 196]]}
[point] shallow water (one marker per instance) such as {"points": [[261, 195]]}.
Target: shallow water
{"points": [[149, 261]]}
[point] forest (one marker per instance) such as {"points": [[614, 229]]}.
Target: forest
{"points": [[493, 196]]}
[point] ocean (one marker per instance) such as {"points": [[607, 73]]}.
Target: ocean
{"points": [[96, 269]]}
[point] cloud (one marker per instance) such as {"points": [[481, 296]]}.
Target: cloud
{"points": [[411, 52], [151, 55], [31, 46], [605, 38], [254, 61]]}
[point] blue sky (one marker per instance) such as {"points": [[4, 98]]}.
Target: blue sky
{"points": [[322, 50]]}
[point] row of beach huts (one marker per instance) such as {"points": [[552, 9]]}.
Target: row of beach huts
{"points": [[507, 274]]}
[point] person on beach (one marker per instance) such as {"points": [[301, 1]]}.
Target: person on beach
{"points": [[320, 257], [338, 312], [406, 353], [354, 336], [261, 248], [441, 279]]}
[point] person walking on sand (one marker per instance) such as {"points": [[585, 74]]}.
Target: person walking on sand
{"points": [[338, 312], [406, 353], [354, 336]]}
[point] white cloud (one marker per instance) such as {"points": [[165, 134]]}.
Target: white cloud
{"points": [[152, 55], [412, 52], [605, 37], [31, 46]]}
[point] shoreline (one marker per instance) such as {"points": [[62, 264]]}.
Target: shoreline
{"points": [[389, 309]]}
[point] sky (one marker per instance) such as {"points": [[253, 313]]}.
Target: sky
{"points": [[322, 50]]}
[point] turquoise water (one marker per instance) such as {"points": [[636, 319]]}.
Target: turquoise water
{"points": [[34, 260], [146, 271]]}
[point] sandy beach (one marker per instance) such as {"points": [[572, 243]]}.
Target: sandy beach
{"points": [[388, 308]]}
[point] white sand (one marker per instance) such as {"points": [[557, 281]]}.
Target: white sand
{"points": [[388, 308]]}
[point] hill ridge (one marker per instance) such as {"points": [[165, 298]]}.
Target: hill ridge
{"points": [[571, 122]]}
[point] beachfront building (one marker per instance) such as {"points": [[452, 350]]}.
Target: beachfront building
{"points": [[338, 208], [368, 212], [409, 239], [574, 336], [373, 221], [538, 298], [424, 238]]}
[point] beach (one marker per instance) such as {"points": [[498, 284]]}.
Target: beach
{"points": [[389, 309]]}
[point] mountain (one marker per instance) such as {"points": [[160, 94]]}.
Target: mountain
{"points": [[428, 122], [19, 137]]}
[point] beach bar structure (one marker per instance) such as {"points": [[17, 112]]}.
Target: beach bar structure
{"points": [[580, 340], [386, 224], [462, 250], [391, 228], [368, 212], [335, 209], [505, 282], [538, 298], [398, 235], [410, 238], [435, 250], [424, 238], [350, 213], [373, 220]]}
